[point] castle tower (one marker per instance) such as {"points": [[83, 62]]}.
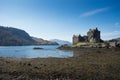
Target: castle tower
{"points": [[76, 39], [93, 35]]}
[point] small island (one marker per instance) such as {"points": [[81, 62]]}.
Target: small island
{"points": [[37, 48], [92, 40]]}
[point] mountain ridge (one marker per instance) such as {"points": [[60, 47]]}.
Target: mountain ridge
{"points": [[10, 36], [115, 40]]}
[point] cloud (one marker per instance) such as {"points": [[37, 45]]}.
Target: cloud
{"points": [[117, 24], [90, 13], [110, 35]]}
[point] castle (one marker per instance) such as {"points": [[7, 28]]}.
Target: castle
{"points": [[93, 36]]}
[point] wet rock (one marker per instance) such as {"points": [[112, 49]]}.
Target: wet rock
{"points": [[37, 48], [65, 47]]}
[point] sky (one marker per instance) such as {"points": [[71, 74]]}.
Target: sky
{"points": [[61, 19]]}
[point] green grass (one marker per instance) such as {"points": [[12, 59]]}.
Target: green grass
{"points": [[93, 64]]}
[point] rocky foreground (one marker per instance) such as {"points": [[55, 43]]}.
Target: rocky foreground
{"points": [[93, 64]]}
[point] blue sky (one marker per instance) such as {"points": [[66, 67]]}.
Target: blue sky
{"points": [[61, 19]]}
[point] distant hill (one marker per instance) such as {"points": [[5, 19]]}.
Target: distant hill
{"points": [[116, 39], [12, 36], [16, 37], [60, 41], [41, 41]]}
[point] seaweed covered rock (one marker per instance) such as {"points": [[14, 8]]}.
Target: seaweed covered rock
{"points": [[37, 48], [65, 47]]}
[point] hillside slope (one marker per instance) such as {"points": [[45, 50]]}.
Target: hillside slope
{"points": [[13, 37], [16, 37]]}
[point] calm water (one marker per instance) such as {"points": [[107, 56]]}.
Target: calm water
{"points": [[29, 52]]}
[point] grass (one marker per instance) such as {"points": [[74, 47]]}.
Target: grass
{"points": [[93, 64], [81, 44]]}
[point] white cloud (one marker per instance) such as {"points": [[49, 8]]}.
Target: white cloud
{"points": [[90, 13], [110, 35]]}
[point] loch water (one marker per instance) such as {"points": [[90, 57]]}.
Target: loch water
{"points": [[29, 52]]}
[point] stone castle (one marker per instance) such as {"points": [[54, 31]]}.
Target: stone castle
{"points": [[93, 36]]}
